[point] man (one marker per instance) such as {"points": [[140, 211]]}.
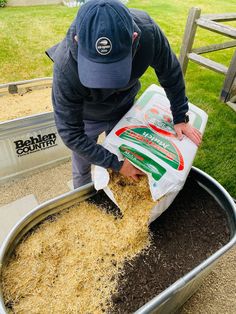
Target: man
{"points": [[96, 78]]}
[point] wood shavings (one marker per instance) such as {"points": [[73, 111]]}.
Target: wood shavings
{"points": [[71, 264], [20, 105]]}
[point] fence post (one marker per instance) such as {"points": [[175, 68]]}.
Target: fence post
{"points": [[189, 34], [229, 80]]}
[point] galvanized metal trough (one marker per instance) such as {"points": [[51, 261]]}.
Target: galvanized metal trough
{"points": [[175, 295], [32, 142]]}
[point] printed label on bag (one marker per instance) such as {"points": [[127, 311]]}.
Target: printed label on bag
{"points": [[160, 121], [143, 162], [155, 144]]}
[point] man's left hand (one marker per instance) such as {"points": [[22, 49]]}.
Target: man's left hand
{"points": [[187, 129]]}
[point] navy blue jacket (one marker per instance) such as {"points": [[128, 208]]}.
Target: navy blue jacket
{"points": [[74, 102]]}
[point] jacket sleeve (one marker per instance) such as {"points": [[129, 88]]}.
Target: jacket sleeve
{"points": [[68, 114], [170, 76]]}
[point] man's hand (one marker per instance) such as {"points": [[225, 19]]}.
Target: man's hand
{"points": [[128, 170], [187, 129]]}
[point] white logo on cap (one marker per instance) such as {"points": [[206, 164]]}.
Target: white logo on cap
{"points": [[103, 46]]}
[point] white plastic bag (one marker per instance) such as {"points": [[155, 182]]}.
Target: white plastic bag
{"points": [[146, 137]]}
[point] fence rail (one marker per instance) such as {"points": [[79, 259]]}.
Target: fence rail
{"points": [[211, 23]]}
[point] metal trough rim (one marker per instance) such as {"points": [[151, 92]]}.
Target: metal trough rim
{"points": [[67, 199], [10, 126], [48, 78], [12, 87]]}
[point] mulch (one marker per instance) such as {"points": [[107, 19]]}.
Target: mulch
{"points": [[188, 232]]}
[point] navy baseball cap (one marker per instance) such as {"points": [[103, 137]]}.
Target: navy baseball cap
{"points": [[105, 30]]}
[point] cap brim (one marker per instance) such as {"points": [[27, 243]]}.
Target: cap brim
{"points": [[105, 75]]}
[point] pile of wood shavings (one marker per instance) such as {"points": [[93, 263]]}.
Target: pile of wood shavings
{"points": [[71, 265], [135, 201], [20, 105]]}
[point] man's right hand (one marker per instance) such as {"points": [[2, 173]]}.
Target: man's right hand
{"points": [[128, 170]]}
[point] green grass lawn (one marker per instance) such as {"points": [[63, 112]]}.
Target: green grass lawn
{"points": [[26, 32]]}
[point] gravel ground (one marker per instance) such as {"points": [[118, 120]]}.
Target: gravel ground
{"points": [[218, 292], [44, 184]]}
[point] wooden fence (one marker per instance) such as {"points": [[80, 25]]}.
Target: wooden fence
{"points": [[211, 22]]}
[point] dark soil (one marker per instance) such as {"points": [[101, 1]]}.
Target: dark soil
{"points": [[190, 230]]}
